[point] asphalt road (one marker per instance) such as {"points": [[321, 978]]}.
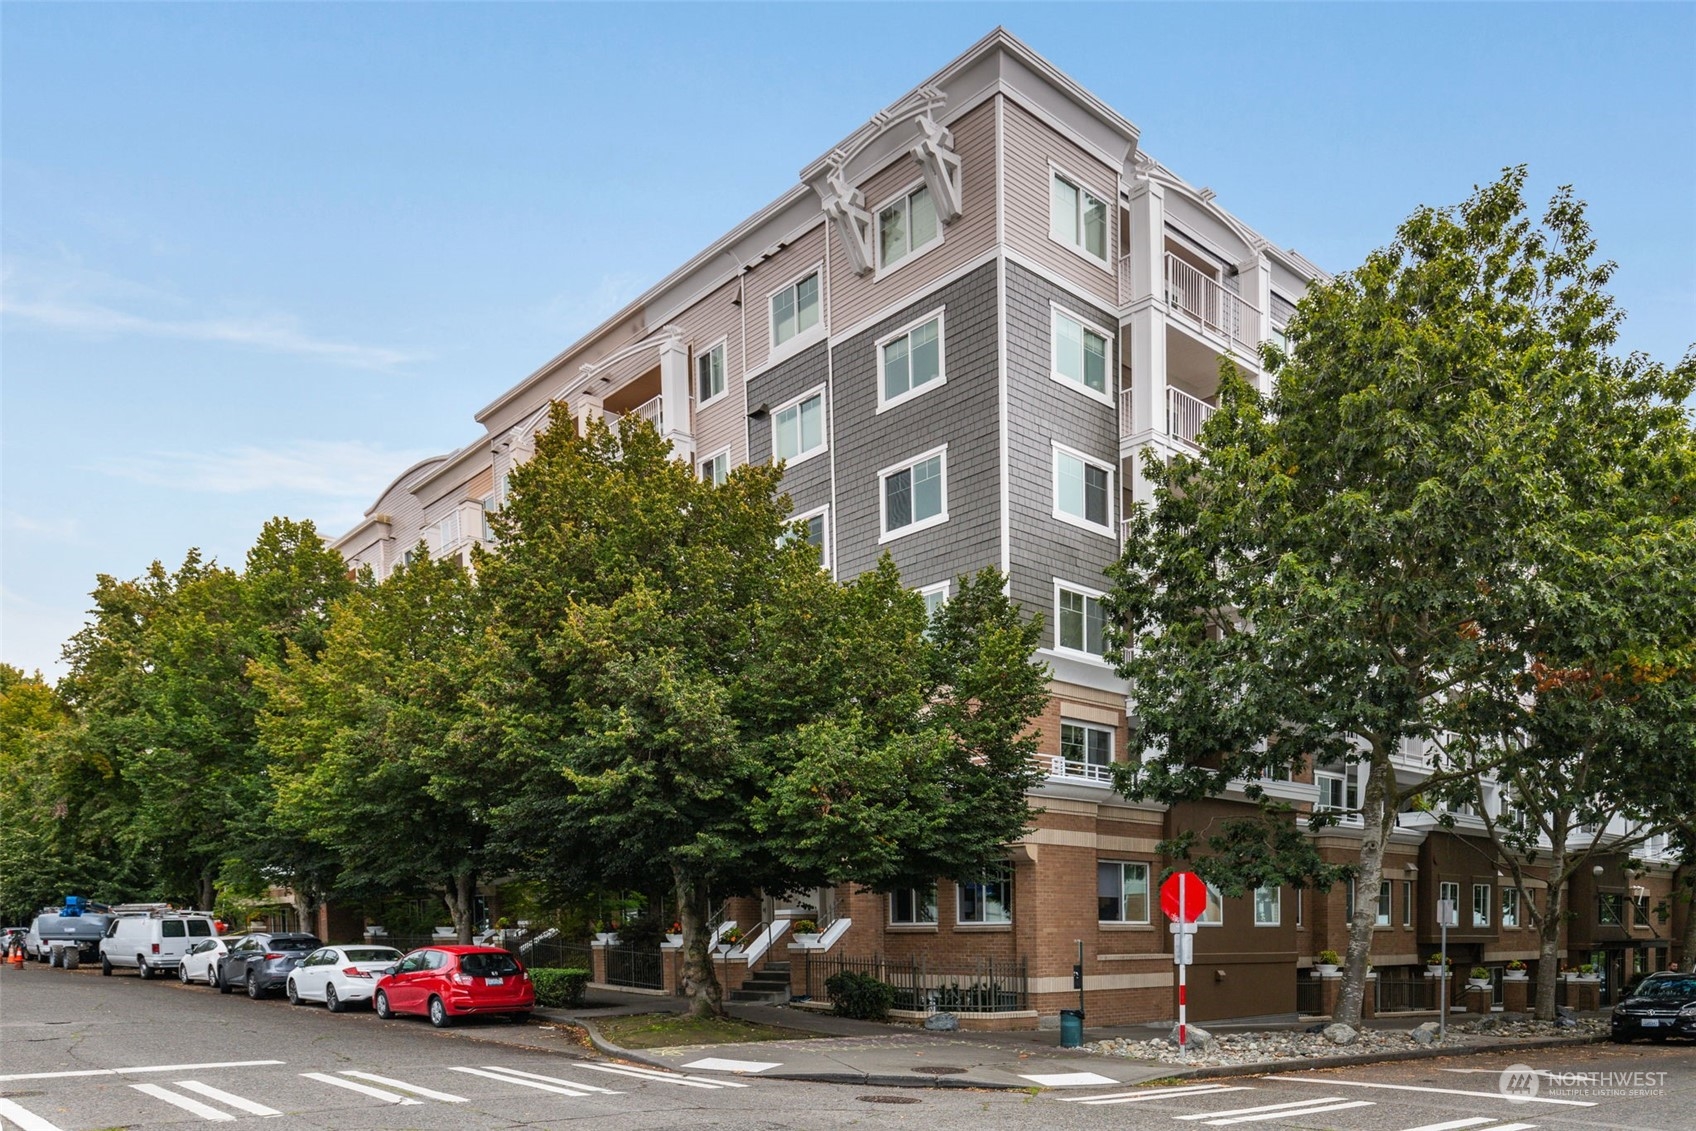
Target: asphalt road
{"points": [[80, 1052]]}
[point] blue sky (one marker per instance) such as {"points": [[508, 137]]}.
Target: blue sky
{"points": [[259, 258]]}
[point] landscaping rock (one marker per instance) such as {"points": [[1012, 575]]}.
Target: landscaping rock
{"points": [[942, 1022], [1424, 1037], [1340, 1034], [1197, 1037]]}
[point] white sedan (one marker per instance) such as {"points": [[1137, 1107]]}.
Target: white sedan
{"points": [[338, 975], [201, 961]]}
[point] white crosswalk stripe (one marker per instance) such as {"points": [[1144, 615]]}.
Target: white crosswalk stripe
{"points": [[1332, 1082], [416, 1089], [552, 1080], [363, 1089], [1455, 1124], [1142, 1095], [1272, 1111], [193, 1107], [559, 1089], [25, 1119], [240, 1103], [664, 1077]]}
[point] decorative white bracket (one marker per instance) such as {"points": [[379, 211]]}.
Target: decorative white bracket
{"points": [[935, 154], [846, 207]]}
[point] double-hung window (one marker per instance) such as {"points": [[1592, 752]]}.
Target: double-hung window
{"points": [[1121, 892], [1510, 907], [709, 375], [988, 899], [1268, 906], [488, 504], [1449, 892], [797, 428], [1337, 792], [1086, 743], [795, 309], [1081, 354], [810, 528], [1078, 620], [1083, 490], [913, 906], [910, 361], [905, 226], [914, 495], [1480, 905], [1407, 903], [1385, 900], [935, 596], [1077, 217], [715, 469]]}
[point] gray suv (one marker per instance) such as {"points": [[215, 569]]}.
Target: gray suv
{"points": [[261, 963]]}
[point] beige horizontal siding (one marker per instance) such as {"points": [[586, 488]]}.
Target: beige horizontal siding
{"points": [[857, 297], [1029, 146], [720, 424], [773, 273]]}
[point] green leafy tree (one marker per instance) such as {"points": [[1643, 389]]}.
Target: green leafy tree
{"points": [[364, 741], [678, 687], [1347, 567]]}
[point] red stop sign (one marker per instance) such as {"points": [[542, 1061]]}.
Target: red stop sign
{"points": [[1194, 894]]}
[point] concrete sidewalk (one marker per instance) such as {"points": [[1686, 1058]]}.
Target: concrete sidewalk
{"points": [[869, 1053]]}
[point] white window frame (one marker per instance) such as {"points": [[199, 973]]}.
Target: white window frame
{"points": [[1111, 733], [1510, 899], [824, 425], [1407, 903], [1005, 867], [913, 253], [941, 379], [1149, 895], [915, 893], [722, 348], [1109, 376], [943, 589], [443, 542], [1277, 919], [883, 498], [1108, 528], [1348, 779], [702, 465], [1489, 901], [1087, 592], [824, 544], [1384, 911], [802, 338], [1213, 914], [1058, 172]]}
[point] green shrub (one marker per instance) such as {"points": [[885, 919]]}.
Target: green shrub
{"points": [[560, 989], [860, 996]]}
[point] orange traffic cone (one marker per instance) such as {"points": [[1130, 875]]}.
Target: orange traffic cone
{"points": [[18, 957]]}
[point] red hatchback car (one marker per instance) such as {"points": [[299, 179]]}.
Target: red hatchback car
{"points": [[444, 982]]}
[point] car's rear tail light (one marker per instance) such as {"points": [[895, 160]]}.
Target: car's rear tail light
{"points": [[155, 948], [274, 955], [462, 979], [356, 972]]}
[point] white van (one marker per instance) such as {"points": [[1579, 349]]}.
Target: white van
{"points": [[153, 943]]}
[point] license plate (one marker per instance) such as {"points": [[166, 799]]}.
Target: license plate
{"points": [[1651, 1022], [494, 981]]}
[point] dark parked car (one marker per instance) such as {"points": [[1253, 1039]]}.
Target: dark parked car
{"points": [[261, 963], [1660, 1006]]}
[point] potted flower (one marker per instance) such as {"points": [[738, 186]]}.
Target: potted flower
{"points": [[806, 931], [606, 932], [1516, 971], [1480, 977], [728, 939], [1588, 972], [1328, 963], [1436, 965]]}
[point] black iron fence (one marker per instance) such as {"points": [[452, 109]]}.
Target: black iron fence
{"points": [[635, 966], [1402, 992], [540, 952], [986, 985], [1310, 996]]}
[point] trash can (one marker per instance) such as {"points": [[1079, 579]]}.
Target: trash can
{"points": [[1071, 1028]]}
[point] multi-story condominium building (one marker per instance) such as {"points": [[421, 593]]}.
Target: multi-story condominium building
{"points": [[959, 330]]}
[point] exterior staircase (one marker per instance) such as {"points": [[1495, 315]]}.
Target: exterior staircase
{"points": [[768, 986]]}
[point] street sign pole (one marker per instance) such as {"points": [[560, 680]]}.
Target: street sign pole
{"points": [[1447, 912], [1183, 982]]}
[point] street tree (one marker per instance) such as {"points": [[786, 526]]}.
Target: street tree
{"points": [[682, 688], [1339, 579]]}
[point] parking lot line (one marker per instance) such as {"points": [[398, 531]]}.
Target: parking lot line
{"points": [[25, 1119], [1306, 1111], [1456, 1124], [427, 1093], [363, 1089], [1144, 1094], [552, 1080], [193, 1107], [556, 1089], [1262, 1107], [1332, 1082], [223, 1097]]}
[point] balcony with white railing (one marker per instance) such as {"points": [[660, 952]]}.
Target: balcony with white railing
{"points": [[1061, 768], [1199, 300], [651, 410], [1185, 415]]}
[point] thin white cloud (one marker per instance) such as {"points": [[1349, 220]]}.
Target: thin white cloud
{"points": [[67, 297], [341, 470], [55, 529]]}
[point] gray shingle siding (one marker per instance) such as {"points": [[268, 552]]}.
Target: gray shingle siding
{"points": [[807, 483], [963, 413], [1040, 411]]}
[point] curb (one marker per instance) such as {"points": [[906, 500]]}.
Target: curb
{"points": [[1309, 1065]]}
